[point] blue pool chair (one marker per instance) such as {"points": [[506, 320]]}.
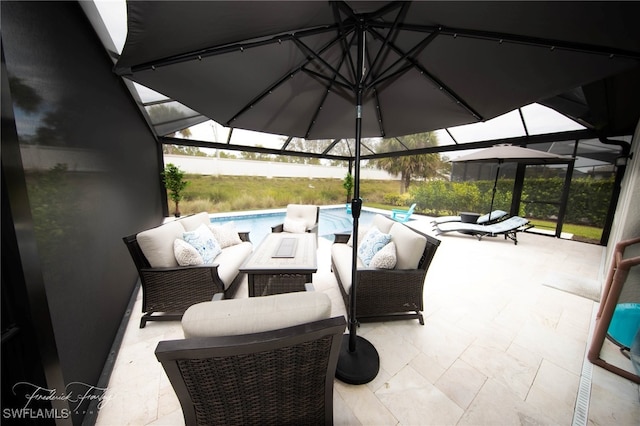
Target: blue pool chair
{"points": [[401, 215]]}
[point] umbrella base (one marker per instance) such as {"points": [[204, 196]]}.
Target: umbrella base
{"points": [[360, 366]]}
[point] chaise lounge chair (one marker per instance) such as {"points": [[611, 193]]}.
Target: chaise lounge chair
{"points": [[487, 219], [401, 215], [509, 228]]}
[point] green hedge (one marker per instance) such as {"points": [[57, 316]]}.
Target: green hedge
{"points": [[588, 198]]}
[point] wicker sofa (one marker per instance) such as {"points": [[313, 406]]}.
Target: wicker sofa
{"points": [[168, 289], [387, 294]]}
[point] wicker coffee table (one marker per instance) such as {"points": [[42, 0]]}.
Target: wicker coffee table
{"points": [[282, 263]]}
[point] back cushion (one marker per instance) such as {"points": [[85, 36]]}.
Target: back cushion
{"points": [[409, 246], [157, 244], [231, 317], [192, 222], [303, 212], [383, 223]]}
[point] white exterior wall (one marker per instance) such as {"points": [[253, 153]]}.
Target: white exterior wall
{"points": [[234, 167]]}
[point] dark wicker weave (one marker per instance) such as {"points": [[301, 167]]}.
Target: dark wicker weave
{"points": [[171, 291], [389, 294], [268, 284], [281, 377]]}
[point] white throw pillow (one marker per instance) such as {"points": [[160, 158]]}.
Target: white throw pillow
{"points": [[294, 226], [204, 241], [371, 244], [186, 254], [385, 258], [226, 235]]}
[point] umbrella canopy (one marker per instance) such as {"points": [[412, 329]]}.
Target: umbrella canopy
{"points": [[289, 68], [511, 153]]}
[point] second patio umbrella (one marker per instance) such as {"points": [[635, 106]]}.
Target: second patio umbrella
{"points": [[510, 154]]}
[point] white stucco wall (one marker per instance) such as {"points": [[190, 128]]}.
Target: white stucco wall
{"points": [[233, 167]]}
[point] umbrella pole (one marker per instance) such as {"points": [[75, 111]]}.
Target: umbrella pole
{"points": [[358, 362], [495, 188]]}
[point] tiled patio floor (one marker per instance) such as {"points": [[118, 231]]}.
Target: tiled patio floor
{"points": [[498, 346]]}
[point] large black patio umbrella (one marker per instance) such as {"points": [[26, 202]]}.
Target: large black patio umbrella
{"points": [[510, 154], [318, 70]]}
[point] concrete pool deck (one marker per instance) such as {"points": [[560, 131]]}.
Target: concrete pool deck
{"points": [[498, 346]]}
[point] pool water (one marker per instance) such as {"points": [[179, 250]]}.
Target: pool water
{"points": [[332, 220]]}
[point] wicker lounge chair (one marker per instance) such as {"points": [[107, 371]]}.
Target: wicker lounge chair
{"points": [[487, 219], [274, 377], [509, 228]]}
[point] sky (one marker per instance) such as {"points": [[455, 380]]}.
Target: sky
{"points": [[539, 119]]}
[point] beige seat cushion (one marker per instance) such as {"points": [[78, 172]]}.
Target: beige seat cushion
{"points": [[409, 246], [157, 244], [231, 317], [341, 255], [230, 260]]}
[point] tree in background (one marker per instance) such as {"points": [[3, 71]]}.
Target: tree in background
{"points": [[173, 179], [347, 184], [427, 166]]}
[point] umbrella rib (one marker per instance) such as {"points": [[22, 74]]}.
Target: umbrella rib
{"points": [[343, 40], [219, 50], [377, 105], [443, 87], [316, 55], [519, 39], [324, 96], [392, 32], [282, 79], [404, 57]]}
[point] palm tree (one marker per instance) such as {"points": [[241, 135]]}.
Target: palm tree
{"points": [[411, 166]]}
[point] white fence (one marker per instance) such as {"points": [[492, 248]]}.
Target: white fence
{"points": [[234, 167], [36, 157]]}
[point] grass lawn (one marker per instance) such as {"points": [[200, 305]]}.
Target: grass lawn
{"points": [[239, 193]]}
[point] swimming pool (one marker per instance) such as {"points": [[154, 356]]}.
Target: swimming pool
{"points": [[332, 220]]}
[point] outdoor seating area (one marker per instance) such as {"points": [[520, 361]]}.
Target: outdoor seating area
{"points": [[278, 102], [493, 348]]}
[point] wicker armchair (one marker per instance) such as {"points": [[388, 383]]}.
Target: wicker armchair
{"points": [[387, 294], [274, 377], [168, 292], [308, 215]]}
